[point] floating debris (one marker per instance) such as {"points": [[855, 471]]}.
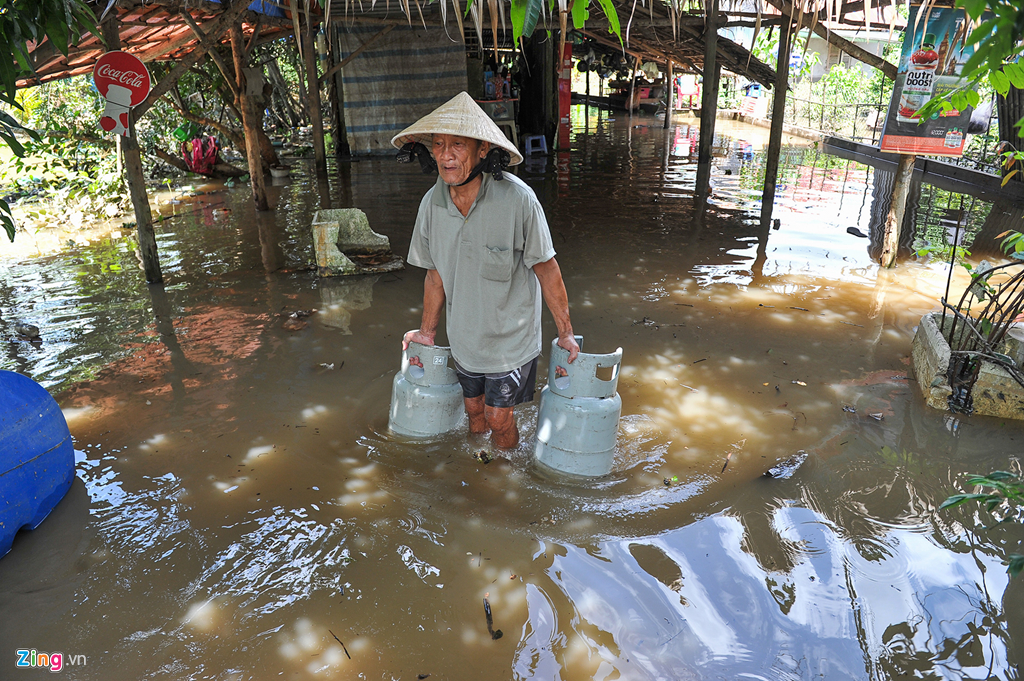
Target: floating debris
{"points": [[342, 644], [495, 635], [878, 416], [856, 232], [328, 366], [785, 469], [484, 456], [295, 320], [799, 383], [670, 481], [293, 323], [849, 409], [736, 447], [27, 330]]}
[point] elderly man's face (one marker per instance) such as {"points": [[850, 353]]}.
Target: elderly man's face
{"points": [[456, 156]]}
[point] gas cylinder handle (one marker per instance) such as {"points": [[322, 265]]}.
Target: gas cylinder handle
{"points": [[580, 379], [427, 365]]}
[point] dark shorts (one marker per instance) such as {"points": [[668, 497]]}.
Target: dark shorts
{"points": [[502, 390]]}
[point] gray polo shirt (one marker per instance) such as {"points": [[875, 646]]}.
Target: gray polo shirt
{"points": [[493, 298]]}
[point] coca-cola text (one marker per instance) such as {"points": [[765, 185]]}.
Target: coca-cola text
{"points": [[127, 78]]}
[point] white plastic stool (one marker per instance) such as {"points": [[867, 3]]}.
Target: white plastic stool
{"points": [[511, 132], [535, 143]]}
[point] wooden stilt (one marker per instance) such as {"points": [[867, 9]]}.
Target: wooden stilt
{"points": [[337, 89], [897, 208], [315, 117], [632, 89], [252, 142], [140, 202], [134, 177], [669, 98], [708, 101], [771, 166]]}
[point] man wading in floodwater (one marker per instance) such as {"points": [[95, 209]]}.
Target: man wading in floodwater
{"points": [[483, 239]]}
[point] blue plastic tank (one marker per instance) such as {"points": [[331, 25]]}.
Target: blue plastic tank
{"points": [[37, 458]]}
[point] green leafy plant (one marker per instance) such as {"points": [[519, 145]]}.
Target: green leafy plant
{"points": [[24, 22], [766, 48], [1003, 499], [996, 38]]}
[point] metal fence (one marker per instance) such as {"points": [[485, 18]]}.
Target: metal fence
{"points": [[863, 122]]}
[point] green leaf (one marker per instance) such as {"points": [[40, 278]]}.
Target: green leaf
{"points": [[1015, 73], [7, 219], [613, 18], [972, 97], [1016, 565], [525, 15], [1008, 176], [958, 100], [580, 13], [999, 82], [998, 476], [958, 499], [974, 8]]}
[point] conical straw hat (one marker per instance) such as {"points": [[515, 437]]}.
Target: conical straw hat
{"points": [[460, 115]]}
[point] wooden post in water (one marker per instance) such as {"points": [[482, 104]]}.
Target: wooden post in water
{"points": [[315, 116], [252, 143], [708, 101], [771, 166], [632, 89], [669, 98], [140, 202], [337, 101], [897, 208], [134, 176]]}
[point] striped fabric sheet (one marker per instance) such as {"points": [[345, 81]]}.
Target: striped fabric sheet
{"points": [[403, 76]]}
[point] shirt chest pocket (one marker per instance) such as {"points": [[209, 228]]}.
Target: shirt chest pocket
{"points": [[497, 263]]}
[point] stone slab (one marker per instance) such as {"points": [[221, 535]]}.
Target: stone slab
{"points": [[995, 393], [340, 235]]}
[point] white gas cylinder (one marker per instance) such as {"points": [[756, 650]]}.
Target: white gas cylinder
{"points": [[426, 398], [578, 417]]}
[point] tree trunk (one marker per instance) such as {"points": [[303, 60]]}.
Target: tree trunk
{"points": [[249, 123], [315, 115]]}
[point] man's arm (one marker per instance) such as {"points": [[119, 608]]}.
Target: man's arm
{"points": [[433, 303], [553, 288]]}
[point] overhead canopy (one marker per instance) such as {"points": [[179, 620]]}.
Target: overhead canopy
{"points": [[155, 30], [152, 31]]}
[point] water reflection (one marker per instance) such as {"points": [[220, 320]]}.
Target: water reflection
{"points": [[245, 514]]}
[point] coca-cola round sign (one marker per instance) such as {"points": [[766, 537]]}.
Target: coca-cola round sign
{"points": [[125, 71]]}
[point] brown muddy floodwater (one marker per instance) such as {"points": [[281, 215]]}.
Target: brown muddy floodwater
{"points": [[241, 510]]}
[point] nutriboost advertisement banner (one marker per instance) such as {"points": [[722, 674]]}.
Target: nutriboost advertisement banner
{"points": [[930, 64]]}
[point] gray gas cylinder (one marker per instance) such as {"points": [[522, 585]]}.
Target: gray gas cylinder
{"points": [[425, 400], [579, 413]]}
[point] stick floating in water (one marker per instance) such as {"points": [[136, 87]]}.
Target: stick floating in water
{"points": [[490, 622]]}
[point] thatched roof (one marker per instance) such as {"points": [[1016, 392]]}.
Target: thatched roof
{"points": [[659, 31]]}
